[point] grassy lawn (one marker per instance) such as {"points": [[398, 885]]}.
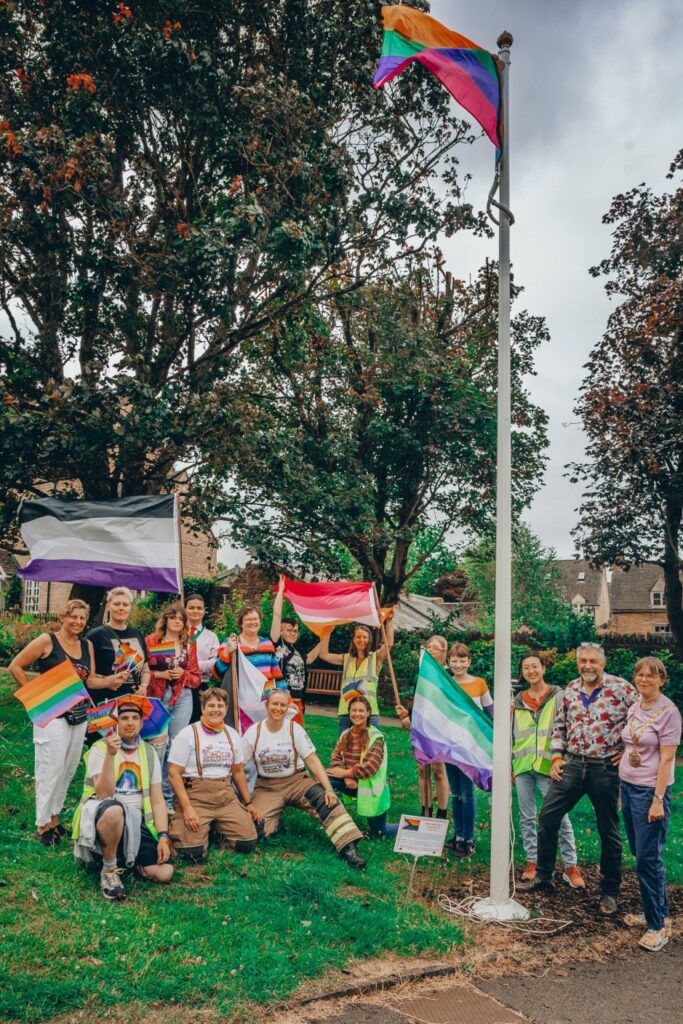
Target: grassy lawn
{"points": [[224, 936]]}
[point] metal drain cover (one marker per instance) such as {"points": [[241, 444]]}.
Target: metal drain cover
{"points": [[457, 1004]]}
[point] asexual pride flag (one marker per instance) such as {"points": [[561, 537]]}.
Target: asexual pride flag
{"points": [[129, 542]]}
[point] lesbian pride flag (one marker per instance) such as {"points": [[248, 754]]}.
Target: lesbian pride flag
{"points": [[128, 542], [471, 75], [447, 726], [323, 605], [51, 694]]}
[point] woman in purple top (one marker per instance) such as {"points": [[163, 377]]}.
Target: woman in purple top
{"points": [[651, 736]]}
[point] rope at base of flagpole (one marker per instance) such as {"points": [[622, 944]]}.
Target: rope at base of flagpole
{"points": [[467, 907]]}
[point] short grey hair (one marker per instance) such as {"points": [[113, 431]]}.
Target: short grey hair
{"points": [[589, 646]]}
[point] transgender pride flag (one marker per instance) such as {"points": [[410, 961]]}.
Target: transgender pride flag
{"points": [[322, 605], [129, 542], [447, 726], [253, 688]]}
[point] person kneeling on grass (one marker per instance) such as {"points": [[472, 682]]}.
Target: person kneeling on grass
{"points": [[205, 759], [359, 768], [122, 821], [280, 750]]}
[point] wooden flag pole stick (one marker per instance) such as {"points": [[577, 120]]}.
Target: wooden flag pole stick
{"points": [[233, 679], [390, 663]]}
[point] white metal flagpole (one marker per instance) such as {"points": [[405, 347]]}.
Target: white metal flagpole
{"points": [[499, 906]]}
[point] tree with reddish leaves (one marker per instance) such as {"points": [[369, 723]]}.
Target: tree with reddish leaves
{"points": [[631, 402]]}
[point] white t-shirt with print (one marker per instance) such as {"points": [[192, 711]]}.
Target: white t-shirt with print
{"points": [[214, 751], [274, 755], [128, 782]]}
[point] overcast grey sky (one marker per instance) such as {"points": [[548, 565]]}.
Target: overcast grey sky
{"points": [[592, 113]]}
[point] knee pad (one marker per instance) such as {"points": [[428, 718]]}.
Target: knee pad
{"points": [[315, 795], [244, 845], [192, 854]]}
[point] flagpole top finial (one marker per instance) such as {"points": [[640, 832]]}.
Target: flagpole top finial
{"points": [[504, 41]]}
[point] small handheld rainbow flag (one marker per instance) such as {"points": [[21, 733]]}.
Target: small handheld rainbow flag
{"points": [[128, 658], [350, 691], [52, 693], [100, 718], [164, 649]]}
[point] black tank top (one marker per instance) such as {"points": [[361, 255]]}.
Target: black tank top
{"points": [[57, 655]]}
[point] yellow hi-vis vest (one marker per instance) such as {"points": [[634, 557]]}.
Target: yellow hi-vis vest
{"points": [[373, 794], [359, 679], [146, 769], [531, 738]]}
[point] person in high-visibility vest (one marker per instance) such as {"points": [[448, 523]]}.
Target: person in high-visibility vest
{"points": [[360, 669], [358, 768], [533, 712]]}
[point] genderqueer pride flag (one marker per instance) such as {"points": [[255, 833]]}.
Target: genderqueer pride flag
{"points": [[130, 542], [469, 73], [323, 605], [52, 693], [447, 726]]}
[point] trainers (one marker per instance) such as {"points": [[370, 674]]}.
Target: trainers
{"points": [[537, 885], [352, 857], [652, 940], [112, 886], [639, 921], [608, 905], [465, 848], [529, 872], [574, 878]]}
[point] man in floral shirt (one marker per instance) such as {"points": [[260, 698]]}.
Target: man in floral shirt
{"points": [[586, 750]]}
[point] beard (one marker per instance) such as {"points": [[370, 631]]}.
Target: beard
{"points": [[590, 675]]}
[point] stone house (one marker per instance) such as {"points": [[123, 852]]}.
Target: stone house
{"points": [[587, 590]]}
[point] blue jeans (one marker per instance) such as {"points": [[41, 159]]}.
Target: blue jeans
{"points": [[464, 804], [526, 784], [377, 826], [345, 722], [646, 840], [181, 713]]}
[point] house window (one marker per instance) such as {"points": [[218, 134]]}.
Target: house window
{"points": [[582, 577], [31, 597], [661, 629], [657, 598]]}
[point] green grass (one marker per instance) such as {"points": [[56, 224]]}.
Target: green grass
{"points": [[232, 933]]}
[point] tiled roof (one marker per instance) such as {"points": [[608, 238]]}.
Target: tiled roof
{"points": [[588, 587], [630, 589]]}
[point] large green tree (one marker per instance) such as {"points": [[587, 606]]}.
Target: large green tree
{"points": [[174, 180], [371, 417], [631, 402]]}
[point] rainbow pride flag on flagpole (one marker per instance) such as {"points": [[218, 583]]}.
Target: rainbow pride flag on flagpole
{"points": [[470, 74], [447, 726], [52, 693], [323, 605]]}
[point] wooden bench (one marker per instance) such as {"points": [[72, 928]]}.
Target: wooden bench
{"points": [[323, 681]]}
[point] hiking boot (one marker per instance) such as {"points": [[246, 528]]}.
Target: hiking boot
{"points": [[608, 905], [574, 878], [652, 940], [537, 885], [465, 848], [352, 857], [529, 872], [639, 921], [111, 884]]}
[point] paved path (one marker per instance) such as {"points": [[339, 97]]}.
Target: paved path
{"points": [[645, 989]]}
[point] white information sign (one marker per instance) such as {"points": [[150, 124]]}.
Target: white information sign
{"points": [[421, 837]]}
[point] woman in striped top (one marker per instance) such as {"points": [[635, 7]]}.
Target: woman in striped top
{"points": [[358, 768]]}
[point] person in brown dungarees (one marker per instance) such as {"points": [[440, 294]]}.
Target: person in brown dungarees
{"points": [[282, 751], [205, 760]]}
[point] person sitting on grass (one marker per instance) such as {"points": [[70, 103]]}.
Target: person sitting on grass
{"points": [[205, 760], [359, 768], [281, 751], [122, 821]]}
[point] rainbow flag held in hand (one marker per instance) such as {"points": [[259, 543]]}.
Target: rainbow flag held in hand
{"points": [[128, 658], [324, 605], [447, 726], [155, 717], [164, 649], [101, 718], [471, 74], [52, 693]]}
